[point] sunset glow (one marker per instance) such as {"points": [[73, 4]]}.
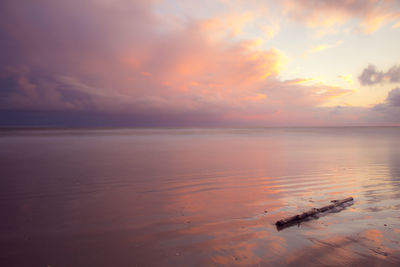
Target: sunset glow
{"points": [[190, 63]]}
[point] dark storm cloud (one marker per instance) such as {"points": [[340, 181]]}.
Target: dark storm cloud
{"points": [[393, 98], [370, 75], [390, 108], [393, 74]]}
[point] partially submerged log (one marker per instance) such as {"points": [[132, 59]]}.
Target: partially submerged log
{"points": [[312, 212]]}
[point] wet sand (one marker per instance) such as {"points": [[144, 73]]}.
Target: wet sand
{"points": [[198, 197]]}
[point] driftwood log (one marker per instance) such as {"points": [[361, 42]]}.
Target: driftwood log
{"points": [[312, 212]]}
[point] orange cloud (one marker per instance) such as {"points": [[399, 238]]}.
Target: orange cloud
{"points": [[144, 73], [299, 81], [396, 25], [258, 97], [320, 48], [348, 78]]}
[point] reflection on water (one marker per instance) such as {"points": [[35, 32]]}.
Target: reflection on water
{"points": [[198, 197]]}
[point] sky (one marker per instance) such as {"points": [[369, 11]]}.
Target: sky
{"points": [[168, 63]]}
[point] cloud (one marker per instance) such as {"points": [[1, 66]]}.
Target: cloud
{"points": [[102, 45], [371, 76], [396, 25], [393, 98], [369, 15], [319, 48], [118, 63], [389, 110], [348, 78], [271, 29]]}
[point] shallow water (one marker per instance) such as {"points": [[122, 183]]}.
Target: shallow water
{"points": [[198, 197]]}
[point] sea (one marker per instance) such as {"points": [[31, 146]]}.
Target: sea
{"points": [[199, 196]]}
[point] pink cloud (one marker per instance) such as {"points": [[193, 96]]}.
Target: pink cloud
{"points": [[118, 58], [370, 15]]}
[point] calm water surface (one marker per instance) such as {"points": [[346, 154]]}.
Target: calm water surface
{"points": [[198, 197]]}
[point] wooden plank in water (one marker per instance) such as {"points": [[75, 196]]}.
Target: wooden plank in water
{"points": [[311, 212]]}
